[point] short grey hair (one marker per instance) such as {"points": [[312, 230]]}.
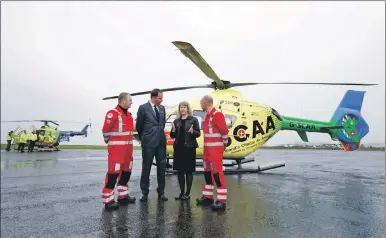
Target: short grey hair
{"points": [[208, 99], [122, 96], [186, 104]]}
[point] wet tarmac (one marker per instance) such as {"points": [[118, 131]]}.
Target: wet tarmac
{"points": [[317, 194]]}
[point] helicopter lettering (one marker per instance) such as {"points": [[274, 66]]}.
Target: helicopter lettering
{"points": [[226, 102], [302, 126], [248, 144], [239, 133], [258, 129]]}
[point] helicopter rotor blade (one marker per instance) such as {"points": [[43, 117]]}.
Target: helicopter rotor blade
{"points": [[53, 122], [18, 121], [191, 53], [350, 84], [47, 121], [165, 90]]}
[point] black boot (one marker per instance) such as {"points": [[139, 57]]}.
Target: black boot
{"points": [[143, 198], [162, 198], [124, 179], [218, 206], [111, 206], [186, 196], [189, 182], [204, 201], [181, 182], [126, 200], [180, 197]]}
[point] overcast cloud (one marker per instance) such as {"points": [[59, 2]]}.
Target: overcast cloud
{"points": [[59, 59]]}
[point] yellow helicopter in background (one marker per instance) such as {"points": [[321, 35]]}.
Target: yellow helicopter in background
{"points": [[251, 124], [47, 130]]}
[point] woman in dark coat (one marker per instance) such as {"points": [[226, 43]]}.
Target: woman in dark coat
{"points": [[185, 130]]}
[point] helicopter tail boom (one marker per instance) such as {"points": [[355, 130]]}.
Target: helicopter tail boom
{"points": [[346, 125], [301, 126]]}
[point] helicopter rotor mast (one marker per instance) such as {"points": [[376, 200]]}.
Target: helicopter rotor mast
{"points": [[191, 53]]}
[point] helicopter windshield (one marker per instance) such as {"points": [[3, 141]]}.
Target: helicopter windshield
{"points": [[169, 121], [200, 115]]}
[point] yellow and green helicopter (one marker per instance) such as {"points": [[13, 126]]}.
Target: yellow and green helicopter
{"points": [[252, 124]]}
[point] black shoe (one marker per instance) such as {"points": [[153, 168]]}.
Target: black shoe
{"points": [[111, 206], [186, 196], [162, 198], [143, 198], [126, 200], [180, 197], [204, 201], [218, 206]]}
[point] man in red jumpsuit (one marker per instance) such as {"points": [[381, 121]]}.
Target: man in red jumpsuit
{"points": [[118, 134], [215, 141]]}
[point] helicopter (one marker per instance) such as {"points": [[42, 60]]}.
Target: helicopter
{"points": [[251, 124], [46, 129]]}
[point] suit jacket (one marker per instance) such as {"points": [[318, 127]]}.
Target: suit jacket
{"points": [[190, 139], [150, 130]]}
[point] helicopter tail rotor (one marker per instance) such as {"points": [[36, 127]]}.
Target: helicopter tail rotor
{"points": [[351, 127], [90, 124]]}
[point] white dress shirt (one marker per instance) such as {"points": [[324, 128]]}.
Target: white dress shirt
{"points": [[152, 106]]}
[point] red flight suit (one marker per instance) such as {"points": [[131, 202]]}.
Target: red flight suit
{"points": [[41, 142], [118, 134], [215, 140]]}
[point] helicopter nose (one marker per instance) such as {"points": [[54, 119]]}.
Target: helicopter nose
{"points": [[274, 112]]}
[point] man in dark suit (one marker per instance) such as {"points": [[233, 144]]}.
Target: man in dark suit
{"points": [[150, 124]]}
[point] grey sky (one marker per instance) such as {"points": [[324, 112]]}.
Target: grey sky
{"points": [[59, 59]]}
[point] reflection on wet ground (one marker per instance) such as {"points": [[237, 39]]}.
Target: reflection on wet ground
{"points": [[317, 194]]}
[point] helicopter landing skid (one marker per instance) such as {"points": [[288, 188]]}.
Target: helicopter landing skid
{"points": [[235, 162]]}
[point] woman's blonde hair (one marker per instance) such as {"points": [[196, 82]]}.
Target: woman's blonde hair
{"points": [[186, 104]]}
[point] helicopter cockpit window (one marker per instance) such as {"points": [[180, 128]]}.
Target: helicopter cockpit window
{"points": [[230, 120], [200, 115], [169, 121]]}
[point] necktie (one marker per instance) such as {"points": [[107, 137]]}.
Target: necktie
{"points": [[156, 112]]}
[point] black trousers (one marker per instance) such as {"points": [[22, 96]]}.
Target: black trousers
{"points": [[21, 147], [148, 154], [31, 146], [8, 145]]}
